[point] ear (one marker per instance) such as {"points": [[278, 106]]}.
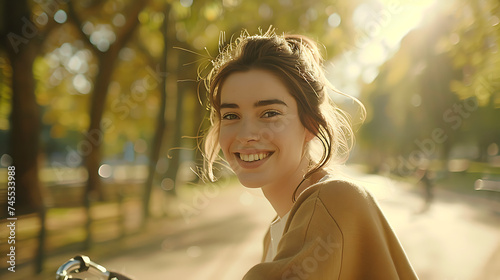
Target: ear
{"points": [[309, 135]]}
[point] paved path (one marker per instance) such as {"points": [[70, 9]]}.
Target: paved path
{"points": [[221, 242], [458, 238]]}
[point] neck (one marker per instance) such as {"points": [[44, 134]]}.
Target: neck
{"points": [[280, 195]]}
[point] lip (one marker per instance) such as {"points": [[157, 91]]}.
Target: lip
{"points": [[253, 164]]}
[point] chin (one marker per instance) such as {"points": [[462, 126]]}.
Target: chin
{"points": [[251, 183]]}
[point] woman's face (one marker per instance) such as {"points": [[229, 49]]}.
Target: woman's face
{"points": [[261, 135]]}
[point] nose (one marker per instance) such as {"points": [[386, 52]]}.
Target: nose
{"points": [[248, 131]]}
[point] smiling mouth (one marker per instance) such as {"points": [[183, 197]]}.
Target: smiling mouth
{"points": [[252, 157]]}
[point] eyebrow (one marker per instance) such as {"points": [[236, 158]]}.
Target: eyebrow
{"points": [[259, 103]]}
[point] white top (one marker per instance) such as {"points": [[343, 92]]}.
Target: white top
{"points": [[276, 230], [277, 227]]}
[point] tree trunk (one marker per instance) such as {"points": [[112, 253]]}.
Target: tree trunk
{"points": [[174, 117], [97, 128], [174, 152], [160, 124], [96, 131], [22, 45], [25, 131], [107, 60]]}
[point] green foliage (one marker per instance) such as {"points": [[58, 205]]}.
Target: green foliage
{"points": [[5, 92], [451, 57], [474, 43], [444, 81], [66, 68]]}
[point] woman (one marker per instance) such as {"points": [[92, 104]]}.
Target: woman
{"points": [[279, 131]]}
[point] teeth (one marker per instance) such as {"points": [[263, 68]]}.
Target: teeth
{"points": [[253, 157]]}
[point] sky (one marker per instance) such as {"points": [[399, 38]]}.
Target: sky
{"points": [[380, 29]]}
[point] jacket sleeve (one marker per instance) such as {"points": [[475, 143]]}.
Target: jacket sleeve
{"points": [[337, 232], [307, 249]]}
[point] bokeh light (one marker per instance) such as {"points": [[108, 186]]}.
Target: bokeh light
{"points": [[105, 171], [60, 16]]}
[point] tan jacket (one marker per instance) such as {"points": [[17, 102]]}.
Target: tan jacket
{"points": [[335, 230]]}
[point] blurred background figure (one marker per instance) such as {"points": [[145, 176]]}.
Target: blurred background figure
{"points": [[426, 178]]}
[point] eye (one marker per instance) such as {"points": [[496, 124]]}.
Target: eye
{"points": [[270, 114], [229, 116]]}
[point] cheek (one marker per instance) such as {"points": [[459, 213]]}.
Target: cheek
{"points": [[294, 139], [224, 140]]}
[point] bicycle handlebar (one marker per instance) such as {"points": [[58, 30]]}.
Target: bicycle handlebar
{"points": [[79, 264]]}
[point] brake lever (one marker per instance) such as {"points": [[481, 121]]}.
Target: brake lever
{"points": [[79, 264]]}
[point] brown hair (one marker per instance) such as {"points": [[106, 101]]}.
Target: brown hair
{"points": [[295, 59]]}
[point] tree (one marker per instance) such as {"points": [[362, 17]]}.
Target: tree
{"points": [[441, 81], [106, 62], [160, 122], [22, 41]]}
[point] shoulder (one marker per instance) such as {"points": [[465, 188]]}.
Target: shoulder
{"points": [[344, 218], [336, 192], [342, 201], [334, 209]]}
